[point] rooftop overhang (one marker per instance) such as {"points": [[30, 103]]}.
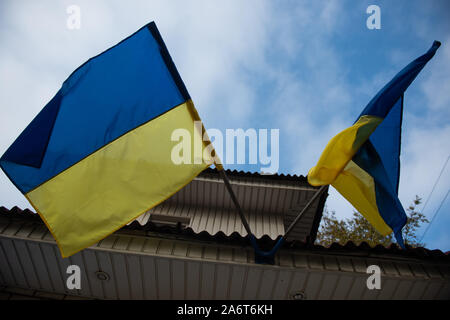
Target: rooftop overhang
{"points": [[138, 264], [270, 203]]}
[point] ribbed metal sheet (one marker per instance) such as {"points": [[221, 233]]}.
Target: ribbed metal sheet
{"points": [[269, 206], [160, 268]]}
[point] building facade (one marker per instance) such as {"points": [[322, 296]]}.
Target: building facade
{"points": [[194, 246]]}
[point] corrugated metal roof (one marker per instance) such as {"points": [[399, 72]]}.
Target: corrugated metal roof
{"points": [[270, 204], [17, 222], [143, 267]]}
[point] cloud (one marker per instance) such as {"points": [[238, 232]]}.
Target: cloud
{"points": [[436, 86], [424, 155]]}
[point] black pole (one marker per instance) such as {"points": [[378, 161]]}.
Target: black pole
{"points": [[310, 202], [264, 256], [235, 201]]}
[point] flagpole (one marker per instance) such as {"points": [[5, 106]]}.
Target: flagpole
{"points": [[235, 201], [310, 202], [260, 255]]}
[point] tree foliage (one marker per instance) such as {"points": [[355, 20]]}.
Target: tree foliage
{"points": [[358, 229]]}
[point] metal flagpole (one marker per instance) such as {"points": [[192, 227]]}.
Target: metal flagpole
{"points": [[260, 255], [236, 202], [310, 202]]}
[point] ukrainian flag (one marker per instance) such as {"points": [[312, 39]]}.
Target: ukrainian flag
{"points": [[98, 155], [363, 161]]}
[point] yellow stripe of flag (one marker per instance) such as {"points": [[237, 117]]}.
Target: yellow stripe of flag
{"points": [[117, 183]]}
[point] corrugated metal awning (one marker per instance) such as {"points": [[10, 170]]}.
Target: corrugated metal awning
{"points": [[270, 204]]}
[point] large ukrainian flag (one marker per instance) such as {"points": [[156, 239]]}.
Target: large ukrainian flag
{"points": [[99, 153], [363, 161]]}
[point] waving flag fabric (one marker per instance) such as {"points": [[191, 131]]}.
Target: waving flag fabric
{"points": [[99, 154], [363, 161]]}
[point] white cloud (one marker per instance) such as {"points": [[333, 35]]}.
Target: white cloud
{"points": [[424, 153], [437, 85]]}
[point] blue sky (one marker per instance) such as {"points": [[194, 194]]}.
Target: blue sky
{"points": [[307, 68]]}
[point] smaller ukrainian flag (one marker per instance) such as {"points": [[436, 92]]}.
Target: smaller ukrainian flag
{"points": [[98, 155], [363, 161]]}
